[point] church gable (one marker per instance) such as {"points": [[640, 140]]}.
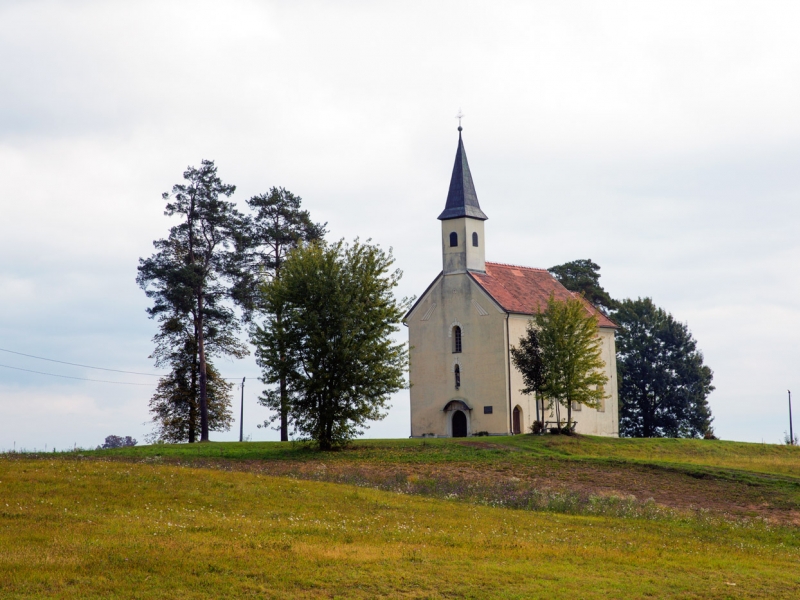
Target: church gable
{"points": [[424, 303], [524, 290]]}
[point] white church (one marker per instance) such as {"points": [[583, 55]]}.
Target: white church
{"points": [[462, 328]]}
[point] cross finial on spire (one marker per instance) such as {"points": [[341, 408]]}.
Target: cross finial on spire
{"points": [[459, 116]]}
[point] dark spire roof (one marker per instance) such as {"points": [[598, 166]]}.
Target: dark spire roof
{"points": [[462, 201]]}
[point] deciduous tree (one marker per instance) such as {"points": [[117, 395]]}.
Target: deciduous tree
{"points": [[117, 441], [335, 345], [663, 383], [570, 349], [527, 358]]}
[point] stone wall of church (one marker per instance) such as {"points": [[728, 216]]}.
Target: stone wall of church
{"points": [[457, 301]]}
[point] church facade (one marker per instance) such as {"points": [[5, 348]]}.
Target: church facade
{"points": [[462, 328]]}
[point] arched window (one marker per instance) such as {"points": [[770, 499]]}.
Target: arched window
{"points": [[453, 239], [456, 339], [475, 238], [457, 371]]}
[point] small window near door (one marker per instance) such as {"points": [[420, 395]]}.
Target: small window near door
{"points": [[456, 339], [457, 371], [453, 239], [487, 410], [475, 238]]}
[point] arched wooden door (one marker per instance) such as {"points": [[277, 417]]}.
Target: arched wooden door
{"points": [[459, 424], [517, 420]]}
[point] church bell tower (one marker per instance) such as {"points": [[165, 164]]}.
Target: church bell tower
{"points": [[463, 243]]}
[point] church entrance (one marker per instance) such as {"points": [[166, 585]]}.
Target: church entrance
{"points": [[517, 420], [459, 424]]}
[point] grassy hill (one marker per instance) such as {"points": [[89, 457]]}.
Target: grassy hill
{"points": [[513, 517]]}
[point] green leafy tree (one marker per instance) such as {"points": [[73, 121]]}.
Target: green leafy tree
{"points": [[529, 361], [570, 352], [277, 226], [663, 383], [583, 276], [191, 276], [334, 345]]}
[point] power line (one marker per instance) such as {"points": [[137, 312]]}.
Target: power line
{"points": [[63, 362], [78, 378]]}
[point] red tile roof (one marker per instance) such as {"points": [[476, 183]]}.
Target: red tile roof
{"points": [[524, 290]]}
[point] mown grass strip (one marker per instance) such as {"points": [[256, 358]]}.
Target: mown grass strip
{"points": [[757, 458]]}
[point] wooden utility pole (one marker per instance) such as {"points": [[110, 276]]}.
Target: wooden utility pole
{"points": [[791, 433], [241, 415]]}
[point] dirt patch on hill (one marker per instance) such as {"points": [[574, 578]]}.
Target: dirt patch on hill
{"points": [[571, 486]]}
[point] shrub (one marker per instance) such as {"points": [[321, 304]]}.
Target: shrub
{"points": [[115, 441], [537, 427]]}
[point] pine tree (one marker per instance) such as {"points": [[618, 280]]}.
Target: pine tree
{"points": [[175, 404], [278, 226], [583, 276], [191, 275]]}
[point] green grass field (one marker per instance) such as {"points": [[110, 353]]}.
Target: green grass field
{"points": [[759, 458], [269, 520]]}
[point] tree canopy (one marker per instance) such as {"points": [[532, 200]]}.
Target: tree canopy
{"points": [[335, 345], [663, 383], [583, 276], [572, 365], [529, 361], [278, 224]]}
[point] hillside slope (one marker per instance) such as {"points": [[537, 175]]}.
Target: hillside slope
{"points": [[81, 527], [730, 478]]}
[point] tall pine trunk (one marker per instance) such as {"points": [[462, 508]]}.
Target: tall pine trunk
{"points": [[284, 407], [193, 397], [203, 377], [284, 410]]}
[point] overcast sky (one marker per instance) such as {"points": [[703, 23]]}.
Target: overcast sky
{"points": [[659, 139]]}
